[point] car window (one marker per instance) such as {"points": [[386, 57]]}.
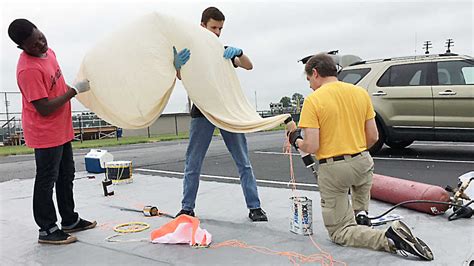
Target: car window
{"points": [[416, 79], [455, 73], [405, 75], [353, 76]]}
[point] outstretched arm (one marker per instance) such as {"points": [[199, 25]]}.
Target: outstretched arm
{"points": [[310, 143], [47, 106], [240, 59], [244, 62], [180, 59]]}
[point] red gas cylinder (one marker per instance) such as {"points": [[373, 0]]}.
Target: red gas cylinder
{"points": [[395, 190]]}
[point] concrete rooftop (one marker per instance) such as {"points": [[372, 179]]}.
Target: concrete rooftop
{"points": [[222, 211]]}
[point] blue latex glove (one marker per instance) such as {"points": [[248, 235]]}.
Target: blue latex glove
{"points": [[231, 52], [180, 58]]}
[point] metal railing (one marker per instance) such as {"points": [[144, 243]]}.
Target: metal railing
{"points": [[86, 126]]}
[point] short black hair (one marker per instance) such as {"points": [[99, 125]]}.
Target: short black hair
{"points": [[323, 63], [20, 29], [211, 13]]}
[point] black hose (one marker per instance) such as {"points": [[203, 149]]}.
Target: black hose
{"points": [[462, 212], [417, 201]]}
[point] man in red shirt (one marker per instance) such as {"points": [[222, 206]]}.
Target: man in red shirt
{"points": [[47, 126]]}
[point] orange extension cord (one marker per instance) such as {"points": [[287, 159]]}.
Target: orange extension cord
{"points": [[323, 257]]}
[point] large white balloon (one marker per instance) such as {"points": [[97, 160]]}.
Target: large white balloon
{"points": [[132, 76]]}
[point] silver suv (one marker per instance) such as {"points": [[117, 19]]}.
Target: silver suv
{"points": [[428, 97]]}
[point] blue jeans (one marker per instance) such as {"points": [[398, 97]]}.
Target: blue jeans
{"points": [[200, 136]]}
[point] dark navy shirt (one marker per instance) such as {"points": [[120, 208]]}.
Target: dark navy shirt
{"points": [[195, 112]]}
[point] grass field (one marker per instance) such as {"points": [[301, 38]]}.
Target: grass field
{"points": [[17, 150]]}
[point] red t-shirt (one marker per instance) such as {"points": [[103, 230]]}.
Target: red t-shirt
{"points": [[38, 78]]}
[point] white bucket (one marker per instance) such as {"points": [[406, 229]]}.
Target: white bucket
{"points": [[301, 218]]}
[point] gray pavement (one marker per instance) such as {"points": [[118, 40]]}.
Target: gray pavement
{"points": [[438, 163], [222, 212]]}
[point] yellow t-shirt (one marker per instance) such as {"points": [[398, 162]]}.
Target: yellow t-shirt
{"points": [[339, 110]]}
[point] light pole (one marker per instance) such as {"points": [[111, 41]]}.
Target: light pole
{"points": [[256, 106], [7, 103]]}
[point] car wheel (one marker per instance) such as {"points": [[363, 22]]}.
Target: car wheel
{"points": [[379, 144], [398, 144]]}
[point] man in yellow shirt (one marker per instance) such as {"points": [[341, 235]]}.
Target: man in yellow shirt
{"points": [[339, 126]]}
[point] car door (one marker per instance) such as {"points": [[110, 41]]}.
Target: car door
{"points": [[403, 97], [453, 95]]}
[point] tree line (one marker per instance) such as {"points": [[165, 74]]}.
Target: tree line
{"points": [[296, 99]]}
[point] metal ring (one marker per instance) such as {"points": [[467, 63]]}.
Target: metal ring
{"points": [[137, 227]]}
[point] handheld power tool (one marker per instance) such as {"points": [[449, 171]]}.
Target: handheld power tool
{"points": [[307, 158]]}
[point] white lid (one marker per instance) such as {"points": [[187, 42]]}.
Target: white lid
{"points": [[118, 163]]}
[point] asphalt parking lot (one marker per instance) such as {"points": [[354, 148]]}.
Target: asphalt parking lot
{"points": [[437, 163]]}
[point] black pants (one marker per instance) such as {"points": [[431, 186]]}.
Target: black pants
{"points": [[54, 166]]}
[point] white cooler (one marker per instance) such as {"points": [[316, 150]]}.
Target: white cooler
{"points": [[96, 159]]}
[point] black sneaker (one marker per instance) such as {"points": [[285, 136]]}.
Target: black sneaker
{"points": [[183, 211], [362, 219], [58, 237], [258, 215], [405, 241], [80, 226]]}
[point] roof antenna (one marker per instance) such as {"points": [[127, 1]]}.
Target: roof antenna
{"points": [[427, 45], [449, 44]]}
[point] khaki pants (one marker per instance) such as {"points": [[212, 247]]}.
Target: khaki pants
{"points": [[335, 180]]}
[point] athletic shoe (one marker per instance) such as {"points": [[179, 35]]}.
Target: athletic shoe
{"points": [[183, 211], [58, 237], [80, 226], [258, 215], [405, 241]]}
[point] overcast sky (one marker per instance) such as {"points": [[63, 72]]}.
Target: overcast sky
{"points": [[274, 34]]}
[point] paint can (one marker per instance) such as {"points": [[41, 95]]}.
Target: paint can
{"points": [[108, 187], [301, 218], [150, 211]]}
